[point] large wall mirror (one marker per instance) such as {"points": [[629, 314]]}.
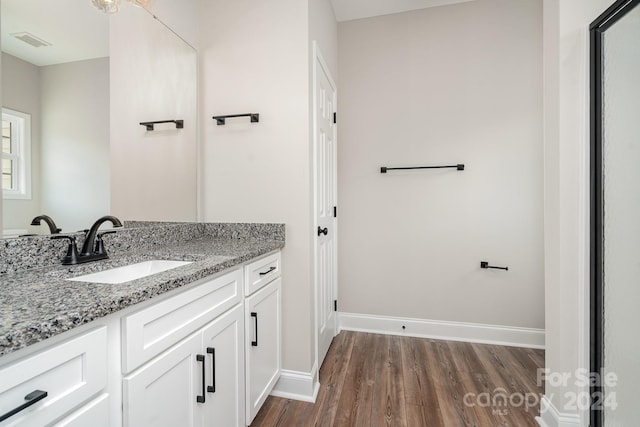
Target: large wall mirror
{"points": [[76, 84], [615, 214]]}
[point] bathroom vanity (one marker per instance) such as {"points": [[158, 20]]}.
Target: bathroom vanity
{"points": [[194, 345]]}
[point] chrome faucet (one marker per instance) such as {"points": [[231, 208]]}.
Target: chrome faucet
{"points": [[53, 228], [93, 248]]}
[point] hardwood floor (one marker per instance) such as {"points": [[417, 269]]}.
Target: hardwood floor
{"points": [[383, 380]]}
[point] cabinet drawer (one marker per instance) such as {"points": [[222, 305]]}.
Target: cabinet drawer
{"points": [[150, 331], [71, 373], [260, 272], [94, 414]]}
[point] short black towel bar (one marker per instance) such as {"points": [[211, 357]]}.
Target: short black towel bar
{"points": [[221, 120], [459, 167], [149, 125], [485, 264]]}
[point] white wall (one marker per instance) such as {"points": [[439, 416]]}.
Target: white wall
{"points": [[21, 92], [447, 85], [153, 77], [566, 201], [75, 142], [180, 16], [323, 28], [254, 58]]}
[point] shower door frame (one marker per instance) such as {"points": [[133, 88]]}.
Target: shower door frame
{"points": [[596, 33]]}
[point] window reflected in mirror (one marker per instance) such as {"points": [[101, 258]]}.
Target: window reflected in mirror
{"points": [[16, 161]]}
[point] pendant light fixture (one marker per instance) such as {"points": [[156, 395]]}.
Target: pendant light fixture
{"points": [[106, 6]]}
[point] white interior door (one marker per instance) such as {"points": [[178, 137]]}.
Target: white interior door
{"points": [[325, 204]]}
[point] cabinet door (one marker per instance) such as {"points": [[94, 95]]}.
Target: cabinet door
{"points": [[262, 345], [164, 391], [223, 343]]}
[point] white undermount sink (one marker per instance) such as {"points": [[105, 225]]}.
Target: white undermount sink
{"points": [[130, 272]]}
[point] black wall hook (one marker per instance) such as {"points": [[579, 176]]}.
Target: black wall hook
{"points": [[485, 264]]}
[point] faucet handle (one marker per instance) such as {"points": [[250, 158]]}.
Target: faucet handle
{"points": [[100, 249], [71, 257]]}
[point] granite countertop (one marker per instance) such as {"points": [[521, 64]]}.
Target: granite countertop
{"points": [[39, 303]]}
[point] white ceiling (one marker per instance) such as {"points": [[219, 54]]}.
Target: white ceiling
{"points": [[347, 10], [75, 29]]}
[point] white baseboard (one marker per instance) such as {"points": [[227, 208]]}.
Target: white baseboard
{"points": [[551, 417], [298, 385], [453, 331]]}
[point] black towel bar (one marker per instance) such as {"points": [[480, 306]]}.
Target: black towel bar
{"points": [[221, 120], [149, 125], [459, 167]]}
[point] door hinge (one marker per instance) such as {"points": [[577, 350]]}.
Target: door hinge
{"points": [[335, 118], [335, 212], [335, 305]]}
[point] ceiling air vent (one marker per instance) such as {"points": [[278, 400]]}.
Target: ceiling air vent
{"points": [[31, 39]]}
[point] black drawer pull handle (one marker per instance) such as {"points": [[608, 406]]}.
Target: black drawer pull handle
{"points": [[31, 399], [255, 316], [200, 358], [264, 273], [212, 352], [324, 231]]}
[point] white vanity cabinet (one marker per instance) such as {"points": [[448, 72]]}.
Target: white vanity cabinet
{"points": [[180, 371], [197, 381], [262, 331], [70, 374], [204, 355]]}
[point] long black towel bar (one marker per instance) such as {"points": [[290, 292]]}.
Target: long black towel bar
{"points": [[459, 167], [485, 264], [221, 120], [149, 125]]}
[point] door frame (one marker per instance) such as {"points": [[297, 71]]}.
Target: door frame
{"points": [[596, 331], [318, 60]]}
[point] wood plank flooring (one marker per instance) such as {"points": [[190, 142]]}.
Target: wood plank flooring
{"points": [[383, 380]]}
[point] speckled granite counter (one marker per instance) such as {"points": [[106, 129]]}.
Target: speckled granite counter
{"points": [[39, 303]]}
